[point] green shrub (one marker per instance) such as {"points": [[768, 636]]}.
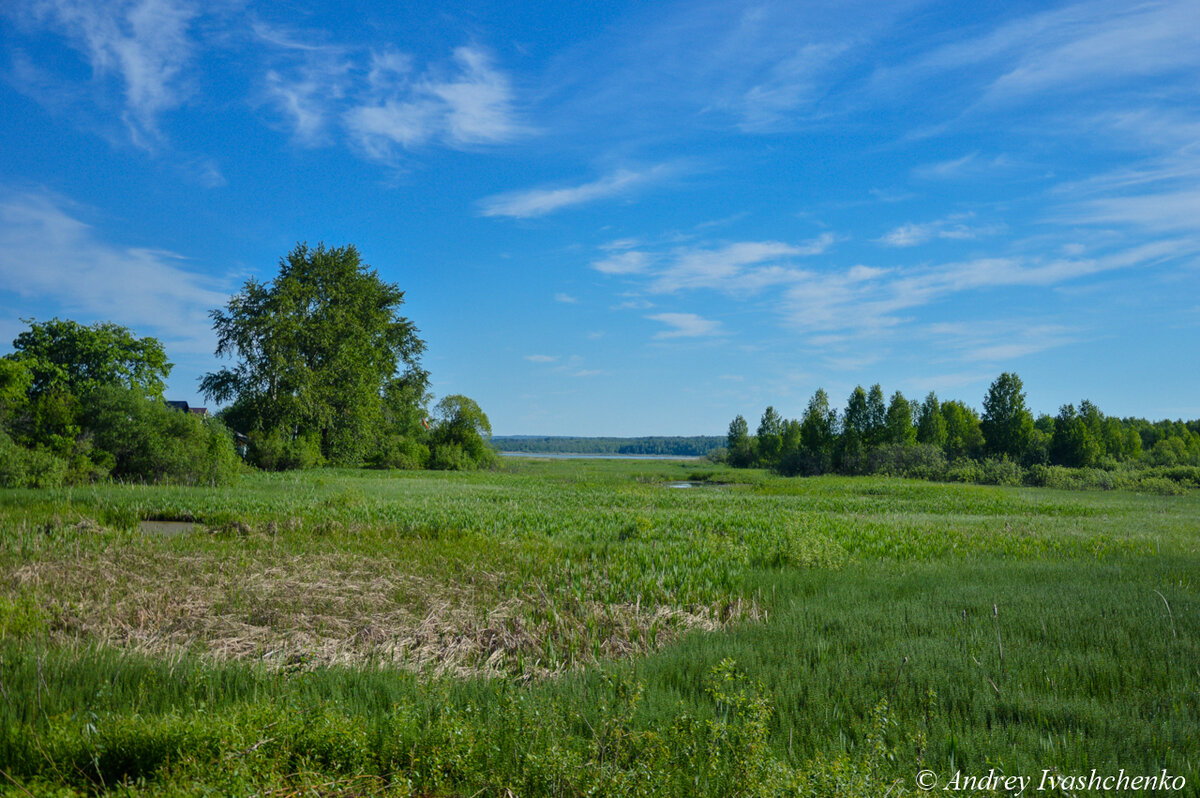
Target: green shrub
{"points": [[278, 451], [1000, 472], [1184, 475], [396, 451], [458, 441], [963, 469], [30, 468], [920, 461], [450, 457], [1161, 486], [149, 441]]}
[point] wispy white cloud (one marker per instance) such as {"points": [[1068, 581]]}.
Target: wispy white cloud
{"points": [[686, 325], [143, 44], [907, 235], [743, 267], [795, 81], [1176, 169], [871, 299], [478, 100], [539, 202], [620, 244], [566, 299], [944, 170], [469, 105], [836, 306], [766, 67], [1076, 47], [1000, 341], [1099, 44], [851, 362], [633, 303], [952, 228], [634, 262], [571, 366], [384, 103], [49, 256], [1168, 210], [891, 195], [307, 82]]}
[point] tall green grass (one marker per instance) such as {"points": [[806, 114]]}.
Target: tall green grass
{"points": [[895, 625]]}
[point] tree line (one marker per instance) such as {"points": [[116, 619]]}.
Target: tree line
{"points": [[325, 371], [80, 403], [935, 439]]}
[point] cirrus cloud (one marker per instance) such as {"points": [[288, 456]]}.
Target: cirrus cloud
{"points": [[685, 325], [541, 201]]}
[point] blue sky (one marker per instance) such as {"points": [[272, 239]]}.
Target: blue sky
{"points": [[643, 219]]}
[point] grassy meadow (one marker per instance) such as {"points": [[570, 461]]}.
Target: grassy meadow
{"points": [[578, 627]]}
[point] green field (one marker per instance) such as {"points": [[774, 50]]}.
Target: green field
{"points": [[581, 628]]}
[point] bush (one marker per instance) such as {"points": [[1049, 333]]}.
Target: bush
{"points": [[1184, 475], [1000, 472], [396, 451], [30, 468], [963, 469], [1052, 476], [146, 440], [922, 461], [1160, 485], [450, 457], [459, 438], [806, 463], [278, 451]]}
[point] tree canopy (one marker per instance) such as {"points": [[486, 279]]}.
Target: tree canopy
{"points": [[317, 349], [64, 356], [460, 435], [1007, 424], [936, 439], [81, 402]]}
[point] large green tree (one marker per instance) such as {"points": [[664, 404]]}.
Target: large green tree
{"points": [[818, 436], [857, 430], [877, 416], [1007, 423], [931, 425], [64, 356], [739, 443], [78, 402], [964, 436], [58, 365], [1072, 442], [316, 350], [769, 440], [818, 429], [459, 440], [899, 428]]}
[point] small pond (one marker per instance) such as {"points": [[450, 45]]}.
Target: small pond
{"points": [[168, 528]]}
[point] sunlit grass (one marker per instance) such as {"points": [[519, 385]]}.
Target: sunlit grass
{"points": [[882, 623]]}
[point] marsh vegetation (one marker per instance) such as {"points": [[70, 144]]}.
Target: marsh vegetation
{"points": [[578, 627]]}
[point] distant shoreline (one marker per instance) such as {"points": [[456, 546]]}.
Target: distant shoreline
{"points": [[590, 456]]}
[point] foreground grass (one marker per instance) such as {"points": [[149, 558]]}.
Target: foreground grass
{"points": [[877, 626]]}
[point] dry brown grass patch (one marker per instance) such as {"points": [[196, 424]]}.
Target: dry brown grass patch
{"points": [[291, 610]]}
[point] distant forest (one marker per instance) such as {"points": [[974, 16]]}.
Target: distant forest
{"points": [[948, 440], [693, 446]]}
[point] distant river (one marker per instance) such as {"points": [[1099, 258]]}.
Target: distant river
{"points": [[569, 456]]}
